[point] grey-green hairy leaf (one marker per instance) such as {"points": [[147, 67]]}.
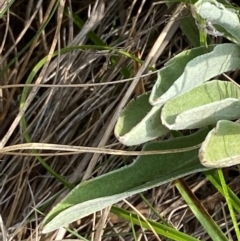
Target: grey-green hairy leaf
{"points": [[204, 105], [221, 146], [172, 70], [217, 14], [146, 172], [139, 122], [223, 57]]}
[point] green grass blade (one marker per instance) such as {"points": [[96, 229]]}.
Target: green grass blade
{"points": [[155, 211], [160, 229], [229, 202], [214, 179], [133, 229], [200, 213], [80, 23], [3, 8]]}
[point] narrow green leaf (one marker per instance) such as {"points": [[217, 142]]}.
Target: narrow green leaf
{"points": [[200, 213], [80, 23], [159, 228], [214, 179], [229, 202], [188, 26], [5, 5], [189, 29]]}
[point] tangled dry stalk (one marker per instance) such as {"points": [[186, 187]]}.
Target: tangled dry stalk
{"points": [[83, 115]]}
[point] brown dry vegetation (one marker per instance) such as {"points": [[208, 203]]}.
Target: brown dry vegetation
{"points": [[82, 116]]}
